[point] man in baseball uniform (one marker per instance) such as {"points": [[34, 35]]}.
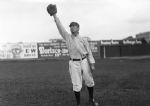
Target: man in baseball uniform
{"points": [[81, 59]]}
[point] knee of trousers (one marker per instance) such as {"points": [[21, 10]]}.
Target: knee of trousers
{"points": [[90, 83], [77, 88]]}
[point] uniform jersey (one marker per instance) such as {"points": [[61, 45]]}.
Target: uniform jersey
{"points": [[77, 46]]}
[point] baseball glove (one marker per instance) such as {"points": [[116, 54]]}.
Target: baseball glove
{"points": [[51, 9]]}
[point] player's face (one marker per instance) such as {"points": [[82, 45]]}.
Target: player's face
{"points": [[74, 29]]}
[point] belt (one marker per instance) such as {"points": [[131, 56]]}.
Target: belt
{"points": [[77, 59]]}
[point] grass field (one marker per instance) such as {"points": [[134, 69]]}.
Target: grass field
{"points": [[119, 82]]}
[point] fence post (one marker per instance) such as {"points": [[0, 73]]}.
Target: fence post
{"points": [[104, 52]]}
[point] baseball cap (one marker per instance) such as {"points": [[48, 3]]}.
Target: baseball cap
{"points": [[74, 24]]}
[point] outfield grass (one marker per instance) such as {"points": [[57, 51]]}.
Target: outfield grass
{"points": [[119, 82]]}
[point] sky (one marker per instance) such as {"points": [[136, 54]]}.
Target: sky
{"points": [[28, 20]]}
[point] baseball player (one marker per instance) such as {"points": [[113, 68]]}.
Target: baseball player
{"points": [[81, 59]]}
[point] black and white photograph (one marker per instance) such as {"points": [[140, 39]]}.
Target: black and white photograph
{"points": [[74, 53]]}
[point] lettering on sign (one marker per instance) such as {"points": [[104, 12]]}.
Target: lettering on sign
{"points": [[131, 42], [48, 50], [109, 42]]}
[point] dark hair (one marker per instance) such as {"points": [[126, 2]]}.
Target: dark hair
{"points": [[74, 24]]}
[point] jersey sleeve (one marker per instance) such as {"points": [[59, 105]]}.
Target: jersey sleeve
{"points": [[90, 55]]}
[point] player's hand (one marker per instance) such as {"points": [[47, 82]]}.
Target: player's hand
{"points": [[92, 67]]}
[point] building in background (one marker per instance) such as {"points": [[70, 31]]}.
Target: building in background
{"points": [[129, 38], [144, 36]]}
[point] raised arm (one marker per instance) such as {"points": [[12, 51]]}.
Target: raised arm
{"points": [[60, 27], [52, 10]]}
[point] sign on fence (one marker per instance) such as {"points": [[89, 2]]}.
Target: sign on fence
{"points": [[18, 51], [119, 42], [52, 50]]}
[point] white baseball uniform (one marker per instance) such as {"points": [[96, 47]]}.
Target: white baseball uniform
{"points": [[78, 48]]}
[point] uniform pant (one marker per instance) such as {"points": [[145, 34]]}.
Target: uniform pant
{"points": [[80, 70]]}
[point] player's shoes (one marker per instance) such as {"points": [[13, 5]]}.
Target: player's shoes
{"points": [[93, 102]]}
